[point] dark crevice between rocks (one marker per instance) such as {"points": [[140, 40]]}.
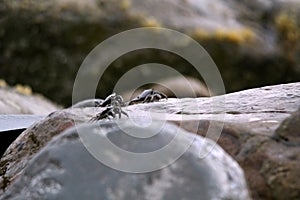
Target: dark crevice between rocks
{"points": [[35, 141], [233, 112], [285, 141], [7, 137], [230, 112], [5, 181]]}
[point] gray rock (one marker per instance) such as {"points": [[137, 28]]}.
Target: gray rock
{"points": [[262, 134], [33, 139], [244, 127], [260, 110], [87, 103], [64, 169], [14, 102]]}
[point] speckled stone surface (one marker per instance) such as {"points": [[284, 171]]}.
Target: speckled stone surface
{"points": [[64, 169]]}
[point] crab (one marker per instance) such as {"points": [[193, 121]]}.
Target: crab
{"points": [[113, 99], [147, 96], [114, 103], [109, 112]]}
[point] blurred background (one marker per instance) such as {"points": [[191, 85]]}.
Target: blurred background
{"points": [[43, 43]]}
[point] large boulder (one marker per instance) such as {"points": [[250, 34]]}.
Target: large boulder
{"points": [[32, 140], [21, 100], [257, 127], [64, 169], [261, 133], [46, 41]]}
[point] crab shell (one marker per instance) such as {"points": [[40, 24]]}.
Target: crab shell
{"points": [[147, 96], [113, 99]]}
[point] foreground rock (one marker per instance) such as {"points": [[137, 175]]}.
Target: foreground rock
{"points": [[20, 100], [32, 140], [248, 128], [39, 38], [15, 101], [47, 175]]}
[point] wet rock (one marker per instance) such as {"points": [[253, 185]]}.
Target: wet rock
{"points": [[252, 42], [245, 124], [47, 175], [20, 100]]}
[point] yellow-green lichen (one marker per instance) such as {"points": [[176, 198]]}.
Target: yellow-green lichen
{"points": [[288, 30], [238, 36], [150, 22], [3, 83], [287, 26], [23, 89], [124, 5]]}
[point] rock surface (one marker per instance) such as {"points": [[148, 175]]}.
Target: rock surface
{"points": [[288, 131], [15, 101], [19, 100], [39, 38], [47, 175], [32, 140], [248, 127]]}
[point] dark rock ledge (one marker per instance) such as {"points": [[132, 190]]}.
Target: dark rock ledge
{"points": [[253, 133]]}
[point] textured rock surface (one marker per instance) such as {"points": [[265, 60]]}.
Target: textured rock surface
{"points": [[14, 102], [32, 140], [58, 173], [251, 122], [39, 38], [266, 148], [289, 131]]}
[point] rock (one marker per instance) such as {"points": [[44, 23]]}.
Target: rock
{"points": [[88, 103], [289, 132], [64, 169], [20, 100], [32, 140], [40, 38], [15, 101], [266, 148], [247, 127], [11, 126]]}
